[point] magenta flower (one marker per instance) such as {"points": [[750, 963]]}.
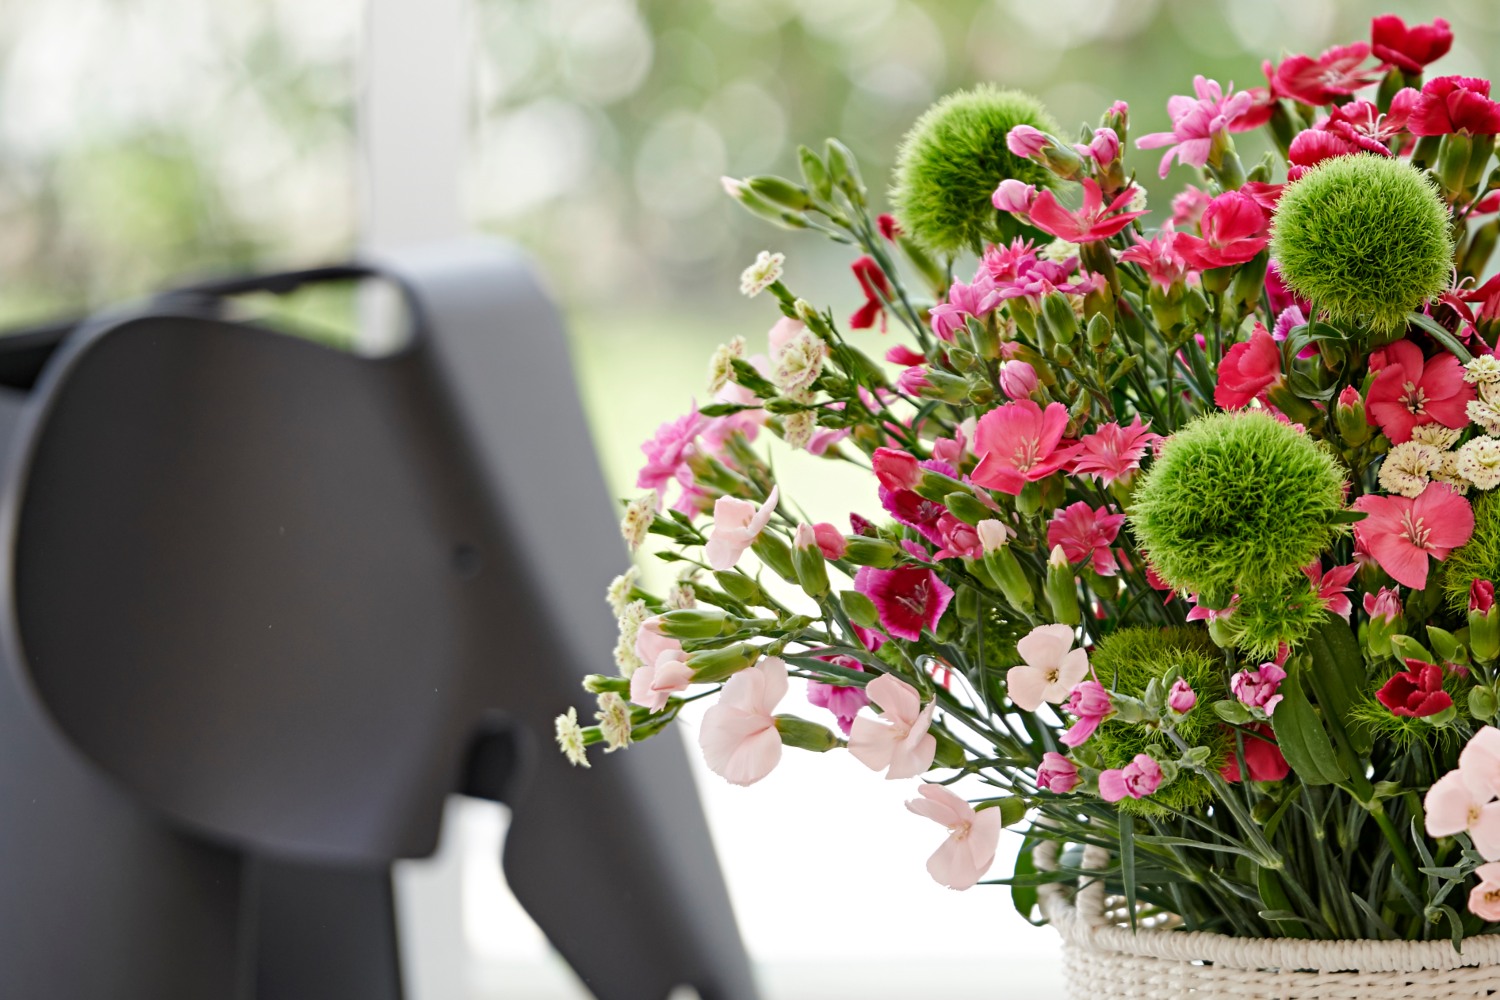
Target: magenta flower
{"points": [[1259, 688], [1409, 49], [1015, 271], [1481, 596], [1138, 779], [1085, 535], [1090, 703], [977, 300], [1415, 692], [960, 539], [1113, 453], [1235, 228], [1057, 773], [913, 381], [972, 836], [1410, 391], [1385, 605], [1181, 698], [1103, 149], [1452, 104], [1402, 532], [668, 450], [1197, 122], [843, 700], [1334, 74], [738, 736], [1333, 586], [908, 598], [1249, 370], [1199, 613], [1018, 443], [898, 742], [1093, 221], [1314, 145], [916, 511], [1158, 257]]}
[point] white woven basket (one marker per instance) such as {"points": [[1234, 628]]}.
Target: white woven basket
{"points": [[1103, 959]]}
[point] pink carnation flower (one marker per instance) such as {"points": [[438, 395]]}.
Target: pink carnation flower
{"points": [[668, 450], [1138, 779], [1259, 688], [1196, 122], [1333, 586], [1410, 391], [1018, 443], [1235, 228], [1090, 703], [843, 700], [1401, 532], [1051, 668], [1056, 773], [1112, 453], [664, 670], [908, 598], [1085, 535], [1249, 370], [1092, 221], [737, 523]]}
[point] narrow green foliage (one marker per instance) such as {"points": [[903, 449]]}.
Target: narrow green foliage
{"points": [[1128, 660], [1237, 503], [1365, 238], [952, 160], [1479, 559]]}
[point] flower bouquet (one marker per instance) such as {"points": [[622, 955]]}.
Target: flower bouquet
{"points": [[1183, 566]]}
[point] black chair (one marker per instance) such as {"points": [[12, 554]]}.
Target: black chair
{"points": [[268, 604]]}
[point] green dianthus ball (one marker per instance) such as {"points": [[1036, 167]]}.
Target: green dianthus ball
{"points": [[1128, 660], [1476, 559], [1365, 238], [1263, 621], [952, 160], [1237, 503]]}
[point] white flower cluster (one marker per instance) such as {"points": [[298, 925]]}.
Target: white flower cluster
{"points": [[721, 365], [1478, 460], [639, 514], [630, 626], [800, 363], [764, 273]]}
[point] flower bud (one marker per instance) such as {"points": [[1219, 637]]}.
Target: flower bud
{"points": [[1017, 379], [1062, 590], [710, 666], [695, 623], [1484, 622], [805, 735], [860, 609], [807, 559], [600, 683], [1100, 332], [1026, 142], [1062, 322], [774, 553], [1181, 698], [966, 507], [1349, 415], [814, 173], [935, 486], [831, 540], [1404, 647], [780, 192], [1014, 196], [1482, 703], [1453, 161], [1057, 773], [739, 586], [1004, 567], [876, 552], [896, 470]]}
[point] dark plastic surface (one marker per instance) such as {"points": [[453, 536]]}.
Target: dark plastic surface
{"points": [[283, 600]]}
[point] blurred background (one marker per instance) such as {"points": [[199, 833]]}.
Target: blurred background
{"points": [[143, 142]]}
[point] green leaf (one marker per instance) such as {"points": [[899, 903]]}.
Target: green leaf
{"points": [[1024, 897], [1340, 663], [1300, 734], [1127, 863], [1232, 712], [1456, 927], [1440, 334], [1348, 517]]}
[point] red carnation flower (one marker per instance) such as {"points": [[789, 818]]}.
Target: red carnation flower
{"points": [[1416, 692]]}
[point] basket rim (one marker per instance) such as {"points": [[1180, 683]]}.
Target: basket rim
{"points": [[1079, 918]]}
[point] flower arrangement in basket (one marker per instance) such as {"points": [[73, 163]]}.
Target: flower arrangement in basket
{"points": [[1180, 544]]}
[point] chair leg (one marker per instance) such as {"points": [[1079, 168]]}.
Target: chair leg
{"points": [[323, 931], [616, 867]]}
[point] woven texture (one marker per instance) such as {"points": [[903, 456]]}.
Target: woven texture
{"points": [[1104, 959]]}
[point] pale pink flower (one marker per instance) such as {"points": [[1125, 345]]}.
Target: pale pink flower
{"points": [[1259, 688], [1484, 898], [972, 836], [784, 332], [1085, 535], [1138, 779], [1056, 773], [1090, 703], [738, 736], [1112, 452], [668, 450], [1014, 196], [1456, 804], [1197, 122], [737, 523], [1051, 670], [1480, 760], [1182, 697], [664, 670], [898, 742]]}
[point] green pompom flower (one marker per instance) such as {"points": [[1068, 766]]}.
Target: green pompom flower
{"points": [[1365, 238], [952, 160], [1237, 503], [1479, 557], [1127, 661], [1263, 621]]}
